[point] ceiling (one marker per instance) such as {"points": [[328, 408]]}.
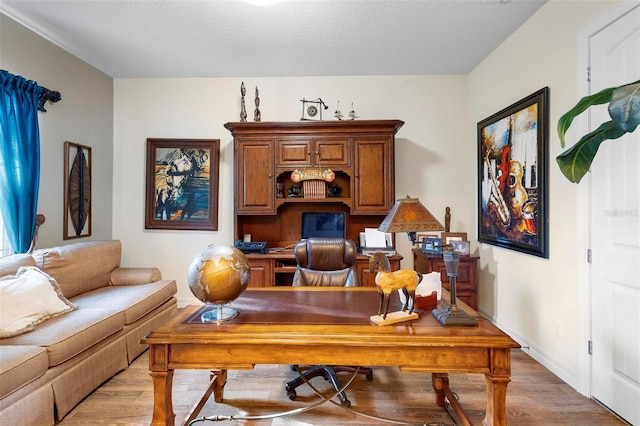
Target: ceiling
{"points": [[231, 38]]}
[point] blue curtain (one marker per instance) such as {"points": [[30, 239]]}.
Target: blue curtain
{"points": [[20, 101]]}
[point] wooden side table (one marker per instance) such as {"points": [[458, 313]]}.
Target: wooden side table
{"points": [[467, 282]]}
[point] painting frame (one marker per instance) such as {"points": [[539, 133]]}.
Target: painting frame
{"points": [[461, 247], [182, 180], [513, 176], [448, 237], [432, 245], [77, 215]]}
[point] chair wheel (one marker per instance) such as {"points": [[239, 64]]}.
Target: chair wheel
{"points": [[292, 394], [369, 377]]}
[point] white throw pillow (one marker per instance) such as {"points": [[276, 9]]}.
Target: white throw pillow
{"points": [[27, 299]]}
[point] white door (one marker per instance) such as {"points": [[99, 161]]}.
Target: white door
{"points": [[615, 230]]}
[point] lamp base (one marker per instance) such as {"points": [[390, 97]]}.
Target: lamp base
{"points": [[454, 317]]}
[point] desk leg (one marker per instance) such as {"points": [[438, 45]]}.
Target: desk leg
{"points": [[162, 377], [440, 382], [218, 380], [496, 384]]}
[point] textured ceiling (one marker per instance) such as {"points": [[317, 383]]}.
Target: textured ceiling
{"points": [[169, 38]]}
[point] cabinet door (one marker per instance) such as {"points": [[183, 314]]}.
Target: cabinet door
{"points": [[373, 186], [331, 152], [316, 152], [295, 152], [261, 273], [255, 187]]}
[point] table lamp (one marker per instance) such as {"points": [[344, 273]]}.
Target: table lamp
{"points": [[452, 315], [410, 216]]}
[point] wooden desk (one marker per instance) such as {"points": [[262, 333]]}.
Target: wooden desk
{"points": [[313, 325]]}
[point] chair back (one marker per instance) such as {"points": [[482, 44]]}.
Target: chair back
{"points": [[326, 262]]}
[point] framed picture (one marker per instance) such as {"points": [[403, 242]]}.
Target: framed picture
{"points": [[432, 245], [461, 247], [449, 237], [77, 191], [182, 184], [513, 176], [421, 235]]}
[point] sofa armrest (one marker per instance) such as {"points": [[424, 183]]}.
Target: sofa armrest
{"points": [[134, 276]]}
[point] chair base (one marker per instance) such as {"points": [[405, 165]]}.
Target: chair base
{"points": [[329, 373]]}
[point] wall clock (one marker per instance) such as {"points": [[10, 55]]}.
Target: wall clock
{"points": [[312, 110]]}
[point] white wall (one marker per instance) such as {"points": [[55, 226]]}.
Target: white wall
{"points": [[537, 300], [84, 116], [429, 160]]}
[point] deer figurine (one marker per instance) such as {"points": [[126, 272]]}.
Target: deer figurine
{"points": [[406, 280]]}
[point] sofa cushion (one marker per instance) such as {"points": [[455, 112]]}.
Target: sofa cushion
{"points": [[135, 300], [68, 335], [9, 264], [20, 365], [27, 299], [80, 267]]}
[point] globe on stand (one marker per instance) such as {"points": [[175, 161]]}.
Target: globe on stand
{"points": [[217, 276]]}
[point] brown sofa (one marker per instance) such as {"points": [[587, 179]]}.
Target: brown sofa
{"points": [[46, 372]]}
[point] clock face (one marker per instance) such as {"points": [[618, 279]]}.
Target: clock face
{"points": [[312, 110]]}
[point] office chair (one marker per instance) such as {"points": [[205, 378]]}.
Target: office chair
{"points": [[326, 262]]}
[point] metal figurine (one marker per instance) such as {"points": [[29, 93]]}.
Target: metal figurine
{"points": [[256, 113], [338, 114], [243, 110], [352, 113], [447, 219]]}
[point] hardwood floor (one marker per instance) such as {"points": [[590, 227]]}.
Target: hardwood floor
{"points": [[535, 397]]}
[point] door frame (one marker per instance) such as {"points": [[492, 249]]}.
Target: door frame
{"points": [[584, 200]]}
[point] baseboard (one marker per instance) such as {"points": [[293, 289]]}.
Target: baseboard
{"points": [[563, 371], [185, 301]]}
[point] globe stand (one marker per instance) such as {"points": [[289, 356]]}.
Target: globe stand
{"points": [[218, 314]]}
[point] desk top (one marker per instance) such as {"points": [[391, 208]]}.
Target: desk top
{"points": [[321, 316]]}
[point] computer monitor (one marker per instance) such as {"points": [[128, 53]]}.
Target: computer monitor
{"points": [[323, 225]]}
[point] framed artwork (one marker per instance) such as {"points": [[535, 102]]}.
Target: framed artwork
{"points": [[513, 176], [432, 245], [449, 237], [461, 247], [77, 191], [182, 184], [421, 235]]}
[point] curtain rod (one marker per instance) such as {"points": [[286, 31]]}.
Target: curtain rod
{"points": [[47, 95], [44, 94]]}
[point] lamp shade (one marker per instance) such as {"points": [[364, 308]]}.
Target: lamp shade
{"points": [[409, 215]]}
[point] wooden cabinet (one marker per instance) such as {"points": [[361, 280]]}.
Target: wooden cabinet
{"points": [[277, 269], [254, 176], [261, 273], [311, 152], [374, 178], [359, 152], [467, 280]]}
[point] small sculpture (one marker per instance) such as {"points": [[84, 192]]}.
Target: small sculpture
{"points": [[256, 113], [338, 113], [334, 191], [352, 113], [406, 280], [294, 191], [243, 110], [447, 219]]}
